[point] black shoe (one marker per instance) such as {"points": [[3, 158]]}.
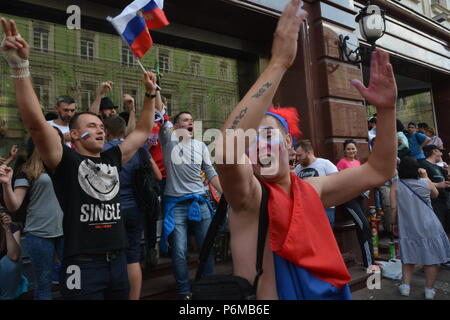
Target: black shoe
{"points": [[446, 265]]}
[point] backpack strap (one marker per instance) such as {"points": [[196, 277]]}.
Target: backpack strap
{"points": [[218, 220]]}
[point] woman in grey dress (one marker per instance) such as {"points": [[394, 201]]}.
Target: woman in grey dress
{"points": [[422, 238]]}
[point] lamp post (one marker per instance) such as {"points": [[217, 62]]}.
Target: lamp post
{"points": [[372, 24]]}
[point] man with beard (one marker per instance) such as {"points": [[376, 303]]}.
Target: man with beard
{"points": [[65, 107]]}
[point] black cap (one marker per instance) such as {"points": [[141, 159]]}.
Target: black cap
{"points": [[428, 149], [106, 103]]}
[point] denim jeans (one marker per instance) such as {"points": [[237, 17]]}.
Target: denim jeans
{"points": [[42, 252], [10, 273], [330, 215], [132, 218], [98, 280], [180, 245]]}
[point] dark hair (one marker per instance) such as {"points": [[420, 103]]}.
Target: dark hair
{"points": [[74, 119], [400, 126], [51, 116], [125, 115], [422, 125], [346, 142], [408, 168], [412, 124], [305, 144], [177, 117], [65, 99], [116, 126]]}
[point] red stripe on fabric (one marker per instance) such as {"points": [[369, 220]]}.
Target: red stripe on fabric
{"points": [[142, 44], [301, 233], [155, 19]]}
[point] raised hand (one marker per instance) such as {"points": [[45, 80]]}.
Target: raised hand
{"points": [[129, 101], [149, 79], [6, 174], [105, 87], [13, 152], [284, 47], [15, 49], [382, 90], [5, 220]]}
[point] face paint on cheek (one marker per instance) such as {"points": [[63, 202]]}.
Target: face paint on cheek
{"points": [[85, 136]]}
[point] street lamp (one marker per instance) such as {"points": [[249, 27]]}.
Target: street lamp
{"points": [[372, 24]]}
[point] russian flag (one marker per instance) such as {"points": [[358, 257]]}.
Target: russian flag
{"points": [[154, 15], [133, 29], [307, 260]]}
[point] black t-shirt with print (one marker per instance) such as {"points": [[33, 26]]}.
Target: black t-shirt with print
{"points": [[88, 192], [436, 175]]}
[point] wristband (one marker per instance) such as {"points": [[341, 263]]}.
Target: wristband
{"points": [[151, 96]]}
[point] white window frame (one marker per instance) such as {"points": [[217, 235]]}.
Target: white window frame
{"points": [[197, 71], [169, 60], [39, 24], [93, 36]]}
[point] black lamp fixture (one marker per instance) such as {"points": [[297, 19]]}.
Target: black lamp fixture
{"points": [[372, 25]]}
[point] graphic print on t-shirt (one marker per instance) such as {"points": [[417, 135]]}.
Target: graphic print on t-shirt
{"points": [[98, 180], [308, 172]]}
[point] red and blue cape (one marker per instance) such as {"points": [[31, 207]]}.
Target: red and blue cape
{"points": [[308, 263]]}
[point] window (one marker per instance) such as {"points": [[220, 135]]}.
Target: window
{"points": [[88, 93], [227, 104], [163, 60], [224, 71], [195, 65], [87, 46], [442, 3], [42, 89], [41, 36], [198, 102], [170, 108], [128, 58]]}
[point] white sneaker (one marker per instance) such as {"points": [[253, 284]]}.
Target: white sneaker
{"points": [[404, 289], [429, 293]]}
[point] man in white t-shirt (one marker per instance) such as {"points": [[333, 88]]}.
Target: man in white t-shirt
{"points": [[310, 166], [65, 107]]}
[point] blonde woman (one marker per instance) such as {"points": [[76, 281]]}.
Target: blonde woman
{"points": [[43, 224]]}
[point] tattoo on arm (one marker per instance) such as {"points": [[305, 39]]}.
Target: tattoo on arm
{"points": [[262, 90], [239, 118]]}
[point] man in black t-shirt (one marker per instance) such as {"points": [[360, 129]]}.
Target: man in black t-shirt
{"points": [[437, 175], [86, 182]]}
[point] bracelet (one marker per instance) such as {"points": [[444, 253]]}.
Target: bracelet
{"points": [[151, 96]]}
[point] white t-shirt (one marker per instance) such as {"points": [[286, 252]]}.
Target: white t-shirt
{"points": [[63, 129], [319, 168]]}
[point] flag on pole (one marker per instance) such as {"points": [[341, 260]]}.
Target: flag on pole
{"points": [[154, 14], [133, 29]]}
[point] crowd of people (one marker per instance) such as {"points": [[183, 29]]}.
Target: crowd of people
{"points": [[78, 195]]}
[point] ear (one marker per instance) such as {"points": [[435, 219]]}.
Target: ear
{"points": [[288, 141], [74, 134]]}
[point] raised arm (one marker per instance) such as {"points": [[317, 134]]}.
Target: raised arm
{"points": [[104, 87], [382, 92], [13, 197], [129, 101], [16, 51], [237, 180], [145, 124], [12, 240]]}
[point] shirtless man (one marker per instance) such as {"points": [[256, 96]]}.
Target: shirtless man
{"points": [[243, 190]]}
